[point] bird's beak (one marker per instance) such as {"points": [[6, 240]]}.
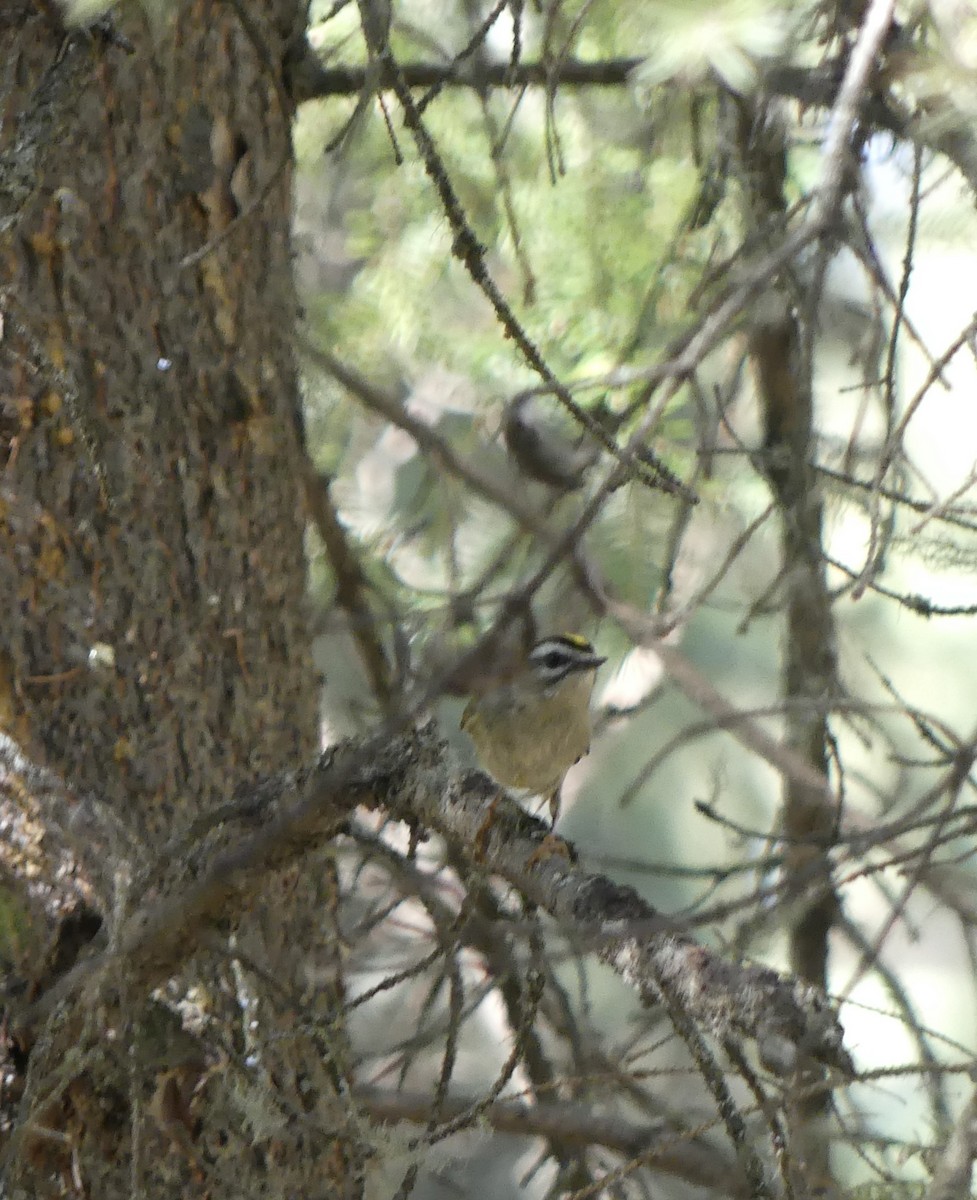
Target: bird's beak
{"points": [[590, 663]]}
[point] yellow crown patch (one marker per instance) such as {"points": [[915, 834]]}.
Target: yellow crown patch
{"points": [[576, 640]]}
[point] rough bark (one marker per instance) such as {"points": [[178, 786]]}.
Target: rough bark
{"points": [[155, 646]]}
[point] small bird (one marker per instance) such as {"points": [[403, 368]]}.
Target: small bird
{"points": [[529, 731]]}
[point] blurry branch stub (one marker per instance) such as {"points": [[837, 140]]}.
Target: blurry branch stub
{"points": [[224, 866], [541, 453]]}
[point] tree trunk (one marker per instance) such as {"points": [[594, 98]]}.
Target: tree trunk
{"points": [[784, 381], [155, 645]]}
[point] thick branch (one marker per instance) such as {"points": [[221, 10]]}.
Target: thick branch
{"points": [[413, 778], [815, 87], [320, 81]]}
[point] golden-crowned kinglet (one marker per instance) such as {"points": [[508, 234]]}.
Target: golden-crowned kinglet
{"points": [[529, 731]]}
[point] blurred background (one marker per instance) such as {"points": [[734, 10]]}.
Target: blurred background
{"points": [[616, 218]]}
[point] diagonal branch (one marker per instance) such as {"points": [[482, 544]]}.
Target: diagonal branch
{"points": [[413, 777]]}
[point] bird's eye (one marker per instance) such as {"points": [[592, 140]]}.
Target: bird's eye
{"points": [[553, 660]]}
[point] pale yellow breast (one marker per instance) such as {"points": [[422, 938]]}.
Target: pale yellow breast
{"points": [[535, 753]]}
